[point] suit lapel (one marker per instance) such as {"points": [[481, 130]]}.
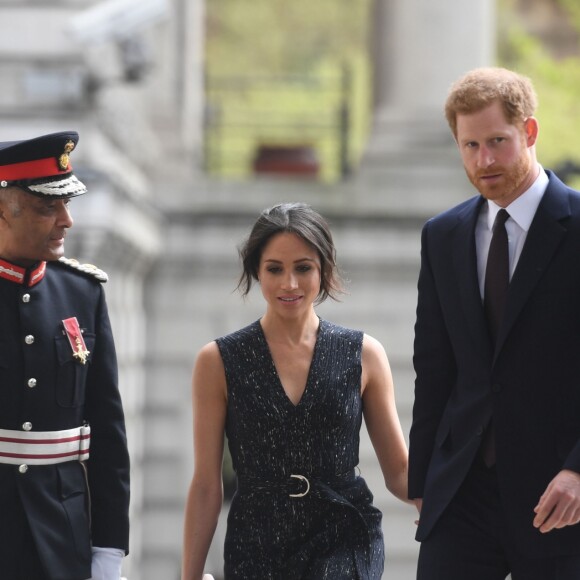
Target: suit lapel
{"points": [[545, 235], [465, 267]]}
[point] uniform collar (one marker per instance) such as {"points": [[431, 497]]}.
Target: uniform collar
{"points": [[19, 275]]}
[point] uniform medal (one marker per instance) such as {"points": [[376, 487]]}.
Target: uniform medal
{"points": [[76, 340]]}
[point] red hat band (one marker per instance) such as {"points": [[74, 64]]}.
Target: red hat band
{"points": [[32, 169]]}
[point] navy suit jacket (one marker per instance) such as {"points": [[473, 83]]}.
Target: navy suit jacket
{"points": [[530, 383]]}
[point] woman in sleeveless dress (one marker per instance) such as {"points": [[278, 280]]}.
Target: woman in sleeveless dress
{"points": [[289, 392]]}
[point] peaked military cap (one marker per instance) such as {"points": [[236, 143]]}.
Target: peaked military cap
{"points": [[41, 166]]}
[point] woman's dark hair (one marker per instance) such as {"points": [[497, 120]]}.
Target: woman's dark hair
{"points": [[308, 224]]}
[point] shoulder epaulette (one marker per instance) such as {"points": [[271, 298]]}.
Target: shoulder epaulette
{"points": [[88, 269]]}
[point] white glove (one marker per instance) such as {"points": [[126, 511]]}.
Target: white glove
{"points": [[106, 563], [207, 577]]}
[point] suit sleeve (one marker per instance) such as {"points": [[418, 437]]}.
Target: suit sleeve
{"points": [[108, 465], [573, 460], [435, 370]]}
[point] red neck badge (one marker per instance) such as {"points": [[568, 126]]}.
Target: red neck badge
{"points": [[76, 340]]}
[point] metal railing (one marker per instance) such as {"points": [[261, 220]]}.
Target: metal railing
{"points": [[246, 115]]}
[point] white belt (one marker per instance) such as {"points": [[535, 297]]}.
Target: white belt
{"points": [[44, 447]]}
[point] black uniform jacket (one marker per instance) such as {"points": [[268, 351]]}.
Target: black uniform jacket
{"points": [[530, 384], [43, 388]]}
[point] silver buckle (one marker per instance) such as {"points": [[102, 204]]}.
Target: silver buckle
{"points": [[302, 478]]}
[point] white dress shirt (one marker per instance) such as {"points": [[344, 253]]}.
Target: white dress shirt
{"points": [[522, 211]]}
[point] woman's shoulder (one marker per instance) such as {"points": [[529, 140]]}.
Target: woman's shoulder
{"points": [[213, 351], [209, 354], [341, 332], [373, 346], [240, 335]]}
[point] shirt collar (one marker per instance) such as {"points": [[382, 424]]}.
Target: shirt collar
{"points": [[523, 208]]}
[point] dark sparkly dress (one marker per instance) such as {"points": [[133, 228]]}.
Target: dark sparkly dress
{"points": [[321, 525]]}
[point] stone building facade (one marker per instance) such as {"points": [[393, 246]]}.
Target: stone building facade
{"points": [[127, 74]]}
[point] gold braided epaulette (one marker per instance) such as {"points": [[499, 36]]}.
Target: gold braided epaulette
{"points": [[88, 269]]}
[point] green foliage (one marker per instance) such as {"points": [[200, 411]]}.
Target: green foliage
{"points": [[275, 36], [557, 84], [276, 76], [572, 7]]}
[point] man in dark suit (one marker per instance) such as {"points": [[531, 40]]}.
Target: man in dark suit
{"points": [[64, 466], [495, 439]]}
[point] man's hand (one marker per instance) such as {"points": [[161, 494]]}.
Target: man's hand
{"points": [[559, 506]]}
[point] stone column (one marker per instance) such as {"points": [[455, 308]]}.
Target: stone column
{"points": [[411, 165], [121, 236], [423, 46], [410, 172]]}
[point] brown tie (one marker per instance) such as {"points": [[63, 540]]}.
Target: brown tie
{"points": [[497, 279]]}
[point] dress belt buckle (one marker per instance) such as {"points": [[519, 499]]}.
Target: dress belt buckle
{"points": [[305, 480]]}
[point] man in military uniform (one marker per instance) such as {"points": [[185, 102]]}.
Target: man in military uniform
{"points": [[64, 465]]}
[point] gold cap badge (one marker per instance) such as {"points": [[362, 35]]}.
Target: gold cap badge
{"points": [[63, 160]]}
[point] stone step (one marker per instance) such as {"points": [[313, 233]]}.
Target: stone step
{"points": [[392, 188]]}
